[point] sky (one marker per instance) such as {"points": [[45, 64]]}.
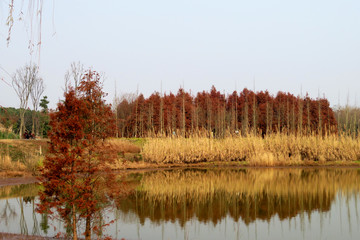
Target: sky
{"points": [[307, 46]]}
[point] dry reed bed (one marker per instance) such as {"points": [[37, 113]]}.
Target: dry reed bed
{"points": [[123, 145], [276, 149]]}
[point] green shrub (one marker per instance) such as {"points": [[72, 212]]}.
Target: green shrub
{"points": [[8, 135]]}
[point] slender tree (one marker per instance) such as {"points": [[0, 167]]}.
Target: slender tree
{"points": [[44, 116], [23, 82], [78, 156], [37, 90], [74, 75]]}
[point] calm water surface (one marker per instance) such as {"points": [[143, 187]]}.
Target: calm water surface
{"points": [[213, 204]]}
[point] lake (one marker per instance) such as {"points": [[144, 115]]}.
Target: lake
{"points": [[250, 203]]}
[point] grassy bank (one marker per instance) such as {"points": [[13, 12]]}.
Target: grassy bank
{"points": [[273, 150], [19, 156]]}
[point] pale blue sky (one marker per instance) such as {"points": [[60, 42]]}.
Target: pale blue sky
{"points": [[282, 44]]}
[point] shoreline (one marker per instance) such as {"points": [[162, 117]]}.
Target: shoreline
{"points": [[18, 178], [15, 236]]}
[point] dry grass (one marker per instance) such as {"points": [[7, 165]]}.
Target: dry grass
{"points": [[276, 149], [21, 155], [127, 152], [273, 150], [27, 155], [123, 145]]}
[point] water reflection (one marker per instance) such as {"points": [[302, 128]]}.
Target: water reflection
{"points": [[203, 204], [11, 210]]}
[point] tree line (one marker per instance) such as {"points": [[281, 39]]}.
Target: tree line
{"points": [[348, 119], [10, 121], [29, 87], [212, 113], [206, 113]]}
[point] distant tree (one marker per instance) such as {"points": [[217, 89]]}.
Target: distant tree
{"points": [[36, 93], [74, 75], [44, 104], [123, 109], [44, 116], [23, 82], [78, 159]]}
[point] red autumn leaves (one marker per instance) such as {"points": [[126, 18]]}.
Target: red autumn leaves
{"points": [[239, 112]]}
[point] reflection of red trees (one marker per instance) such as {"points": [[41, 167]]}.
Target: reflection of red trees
{"points": [[239, 112], [243, 207]]}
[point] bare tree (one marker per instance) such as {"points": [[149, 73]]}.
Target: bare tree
{"points": [[74, 75], [115, 109], [23, 81], [36, 93], [32, 20]]}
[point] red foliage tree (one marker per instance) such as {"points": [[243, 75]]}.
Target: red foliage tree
{"points": [[78, 155], [215, 114]]}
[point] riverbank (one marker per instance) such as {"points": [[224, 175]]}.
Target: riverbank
{"points": [[21, 158], [11, 236], [12, 181]]}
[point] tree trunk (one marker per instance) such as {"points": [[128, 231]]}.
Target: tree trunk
{"points": [[74, 223], [33, 123], [87, 228], [22, 123], [183, 127]]}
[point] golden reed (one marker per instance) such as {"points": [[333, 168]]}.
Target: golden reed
{"points": [[272, 150]]}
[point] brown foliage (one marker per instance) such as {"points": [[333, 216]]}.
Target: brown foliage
{"points": [[78, 156]]}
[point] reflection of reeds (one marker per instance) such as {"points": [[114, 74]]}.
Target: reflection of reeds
{"points": [[203, 184], [25, 190], [210, 195], [275, 149]]}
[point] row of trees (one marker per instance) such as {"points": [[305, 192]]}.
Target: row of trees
{"points": [[10, 120], [217, 114], [348, 119], [182, 114]]}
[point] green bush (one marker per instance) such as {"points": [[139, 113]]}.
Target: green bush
{"points": [[8, 135]]}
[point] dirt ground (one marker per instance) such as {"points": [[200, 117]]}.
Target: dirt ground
{"points": [[10, 236], [17, 181]]}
